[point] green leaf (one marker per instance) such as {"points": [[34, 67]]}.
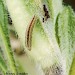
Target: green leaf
{"points": [[65, 34]]}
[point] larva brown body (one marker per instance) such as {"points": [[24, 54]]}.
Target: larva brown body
{"points": [[29, 33]]}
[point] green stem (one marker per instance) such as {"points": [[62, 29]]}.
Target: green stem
{"points": [[8, 53], [5, 39], [3, 65]]}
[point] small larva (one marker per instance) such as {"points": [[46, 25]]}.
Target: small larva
{"points": [[29, 32]]}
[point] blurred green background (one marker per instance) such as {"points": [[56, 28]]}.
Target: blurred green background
{"points": [[70, 2]]}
